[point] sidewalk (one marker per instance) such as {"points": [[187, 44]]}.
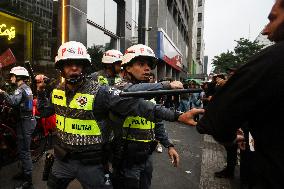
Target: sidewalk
{"points": [[213, 159]]}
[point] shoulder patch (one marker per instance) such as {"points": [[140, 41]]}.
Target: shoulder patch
{"points": [[82, 101], [17, 92], [28, 91], [114, 91]]}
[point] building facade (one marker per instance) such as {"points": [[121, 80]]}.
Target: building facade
{"points": [[164, 25], [40, 13], [118, 24], [99, 24], [166, 31], [197, 45]]}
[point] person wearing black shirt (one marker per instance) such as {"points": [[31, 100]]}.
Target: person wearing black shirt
{"points": [[254, 95]]}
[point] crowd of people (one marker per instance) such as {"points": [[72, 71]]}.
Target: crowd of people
{"points": [[97, 131], [100, 133]]}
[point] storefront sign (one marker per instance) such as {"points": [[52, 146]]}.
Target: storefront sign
{"points": [[9, 32], [168, 52], [15, 40]]}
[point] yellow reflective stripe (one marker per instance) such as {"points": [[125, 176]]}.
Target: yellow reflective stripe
{"points": [[102, 80], [59, 122], [138, 123], [58, 97], [82, 127], [77, 126], [133, 139], [82, 101]]}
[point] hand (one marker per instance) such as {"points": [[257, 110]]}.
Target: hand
{"points": [[1, 91], [176, 85], [188, 117], [40, 86], [220, 81], [241, 141], [173, 156]]}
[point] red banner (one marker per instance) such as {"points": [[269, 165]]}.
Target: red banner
{"points": [[7, 58]]}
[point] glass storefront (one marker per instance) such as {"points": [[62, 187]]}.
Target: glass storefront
{"points": [[15, 40], [35, 35]]}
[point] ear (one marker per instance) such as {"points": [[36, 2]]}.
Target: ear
{"points": [[128, 68]]}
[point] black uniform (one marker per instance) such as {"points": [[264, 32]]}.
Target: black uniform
{"points": [[254, 94]]}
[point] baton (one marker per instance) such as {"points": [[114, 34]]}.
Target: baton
{"points": [[158, 92]]}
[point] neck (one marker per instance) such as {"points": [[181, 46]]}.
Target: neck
{"points": [[109, 73], [20, 82], [129, 77]]}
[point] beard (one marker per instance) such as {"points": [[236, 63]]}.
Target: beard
{"points": [[278, 34]]}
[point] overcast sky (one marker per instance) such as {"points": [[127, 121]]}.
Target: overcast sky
{"points": [[229, 20]]}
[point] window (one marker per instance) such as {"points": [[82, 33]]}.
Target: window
{"points": [[175, 14], [169, 4], [198, 46], [199, 3], [199, 17], [198, 32]]}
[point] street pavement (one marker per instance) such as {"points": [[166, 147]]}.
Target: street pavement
{"points": [[200, 157]]}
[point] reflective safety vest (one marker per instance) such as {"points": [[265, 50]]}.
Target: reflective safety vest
{"points": [[104, 81], [138, 129], [75, 122]]}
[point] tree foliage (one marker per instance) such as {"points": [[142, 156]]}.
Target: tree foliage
{"points": [[236, 58], [96, 54]]}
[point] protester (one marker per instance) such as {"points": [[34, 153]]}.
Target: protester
{"points": [[241, 100]]}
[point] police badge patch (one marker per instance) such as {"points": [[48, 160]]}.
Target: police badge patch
{"points": [[82, 101]]}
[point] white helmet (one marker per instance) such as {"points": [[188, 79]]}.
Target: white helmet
{"points": [[139, 50], [19, 71], [112, 56], [72, 50]]}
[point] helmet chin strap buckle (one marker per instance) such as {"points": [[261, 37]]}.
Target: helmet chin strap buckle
{"points": [[74, 80]]}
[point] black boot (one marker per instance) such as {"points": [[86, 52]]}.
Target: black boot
{"points": [[49, 160], [26, 184], [227, 172]]}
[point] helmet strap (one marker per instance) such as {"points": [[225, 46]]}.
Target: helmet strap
{"points": [[75, 80], [112, 69], [131, 78]]}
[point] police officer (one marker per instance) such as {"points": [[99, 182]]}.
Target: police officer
{"points": [[111, 75], [79, 103], [111, 63], [133, 169], [21, 100]]}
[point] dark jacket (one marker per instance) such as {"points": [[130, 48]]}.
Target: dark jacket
{"points": [[254, 94]]}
